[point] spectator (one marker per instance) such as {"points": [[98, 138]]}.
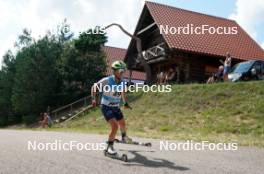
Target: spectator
{"points": [[217, 77], [227, 65], [44, 122], [41, 116], [161, 77], [47, 121], [50, 122], [171, 76]]}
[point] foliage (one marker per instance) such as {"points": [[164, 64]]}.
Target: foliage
{"points": [[51, 71]]}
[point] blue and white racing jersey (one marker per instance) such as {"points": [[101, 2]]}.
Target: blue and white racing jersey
{"points": [[111, 91]]}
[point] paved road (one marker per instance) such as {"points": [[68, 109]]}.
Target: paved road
{"points": [[16, 158]]}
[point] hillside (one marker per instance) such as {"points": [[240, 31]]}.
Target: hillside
{"points": [[219, 112]]}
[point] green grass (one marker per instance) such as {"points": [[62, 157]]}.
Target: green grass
{"points": [[226, 112]]}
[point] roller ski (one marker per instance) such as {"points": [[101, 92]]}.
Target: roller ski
{"points": [[112, 153], [127, 140]]}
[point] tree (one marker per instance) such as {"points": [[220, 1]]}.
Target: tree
{"points": [[82, 63], [89, 42], [64, 32], [36, 79], [50, 71], [6, 83], [24, 39]]}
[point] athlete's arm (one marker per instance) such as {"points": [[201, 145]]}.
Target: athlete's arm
{"points": [[101, 83], [124, 98]]}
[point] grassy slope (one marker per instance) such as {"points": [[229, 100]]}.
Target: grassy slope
{"points": [[218, 113]]}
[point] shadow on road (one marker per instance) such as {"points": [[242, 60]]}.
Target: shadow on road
{"points": [[140, 160]]}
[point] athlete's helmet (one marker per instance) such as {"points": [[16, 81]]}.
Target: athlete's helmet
{"points": [[118, 65]]}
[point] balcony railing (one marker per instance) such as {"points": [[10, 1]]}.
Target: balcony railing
{"points": [[154, 52]]}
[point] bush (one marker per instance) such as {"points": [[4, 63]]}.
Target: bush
{"points": [[3, 121], [29, 119]]}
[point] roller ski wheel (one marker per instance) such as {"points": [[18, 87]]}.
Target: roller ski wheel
{"points": [[121, 157]]}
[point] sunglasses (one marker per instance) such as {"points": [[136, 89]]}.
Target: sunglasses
{"points": [[121, 70]]}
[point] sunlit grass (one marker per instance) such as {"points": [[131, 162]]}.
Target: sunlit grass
{"points": [[218, 113]]}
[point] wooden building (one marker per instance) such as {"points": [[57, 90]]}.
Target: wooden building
{"points": [[196, 56]]}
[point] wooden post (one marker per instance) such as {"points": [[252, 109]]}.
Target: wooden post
{"points": [[146, 66]]}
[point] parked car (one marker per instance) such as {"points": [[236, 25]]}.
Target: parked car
{"points": [[246, 71]]}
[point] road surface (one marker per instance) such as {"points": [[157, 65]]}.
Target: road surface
{"points": [[16, 157]]}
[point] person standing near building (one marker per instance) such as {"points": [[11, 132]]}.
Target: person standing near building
{"points": [[227, 65]]}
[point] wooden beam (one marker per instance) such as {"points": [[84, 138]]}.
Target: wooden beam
{"points": [[156, 60], [146, 28]]}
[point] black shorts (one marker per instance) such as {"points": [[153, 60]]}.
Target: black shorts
{"points": [[111, 112]]}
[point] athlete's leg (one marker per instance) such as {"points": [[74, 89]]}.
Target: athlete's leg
{"points": [[111, 120], [114, 127], [122, 125], [110, 144], [121, 122]]}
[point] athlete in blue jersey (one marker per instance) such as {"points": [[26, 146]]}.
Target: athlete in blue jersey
{"points": [[113, 91]]}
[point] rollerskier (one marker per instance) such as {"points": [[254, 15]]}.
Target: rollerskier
{"points": [[110, 103]]}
